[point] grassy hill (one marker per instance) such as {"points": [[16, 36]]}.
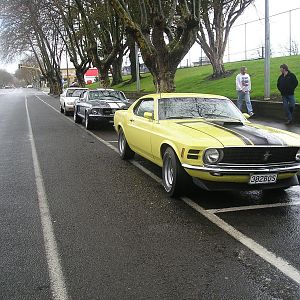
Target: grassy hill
{"points": [[197, 79]]}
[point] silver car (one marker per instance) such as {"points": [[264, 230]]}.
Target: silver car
{"points": [[99, 106]]}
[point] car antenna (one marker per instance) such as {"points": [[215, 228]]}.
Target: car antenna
{"points": [[158, 91]]}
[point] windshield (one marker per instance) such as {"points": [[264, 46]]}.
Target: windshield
{"points": [[209, 108], [107, 95], [74, 93]]}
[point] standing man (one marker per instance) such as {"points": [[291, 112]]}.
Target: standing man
{"points": [[286, 84], [243, 87]]}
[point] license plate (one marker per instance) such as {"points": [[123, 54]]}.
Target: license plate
{"points": [[262, 178]]}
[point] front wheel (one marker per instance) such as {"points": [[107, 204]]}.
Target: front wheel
{"points": [[124, 149], [174, 177], [87, 122], [77, 119], [65, 112]]}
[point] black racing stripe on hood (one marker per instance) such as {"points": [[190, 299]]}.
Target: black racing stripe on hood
{"points": [[256, 135], [237, 134]]}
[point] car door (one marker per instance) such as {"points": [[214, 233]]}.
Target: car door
{"points": [[139, 128]]}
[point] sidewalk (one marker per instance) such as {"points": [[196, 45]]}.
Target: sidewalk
{"points": [[295, 127]]}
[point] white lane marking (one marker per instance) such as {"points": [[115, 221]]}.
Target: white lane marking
{"points": [[49, 105], [58, 286], [250, 207], [107, 143], [149, 173], [276, 261]]}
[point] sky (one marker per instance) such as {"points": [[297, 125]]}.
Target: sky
{"points": [[246, 41]]}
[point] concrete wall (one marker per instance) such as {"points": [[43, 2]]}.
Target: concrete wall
{"points": [[272, 110]]}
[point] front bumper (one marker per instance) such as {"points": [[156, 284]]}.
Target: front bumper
{"points": [[233, 186], [69, 107], [236, 177], [101, 118], [244, 169]]}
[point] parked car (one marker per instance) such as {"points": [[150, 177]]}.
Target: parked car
{"points": [[29, 86], [207, 139], [68, 97], [99, 106]]}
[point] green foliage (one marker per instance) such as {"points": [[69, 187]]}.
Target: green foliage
{"points": [[198, 79]]}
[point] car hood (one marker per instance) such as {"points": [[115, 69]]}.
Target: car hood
{"points": [[238, 134], [107, 103]]}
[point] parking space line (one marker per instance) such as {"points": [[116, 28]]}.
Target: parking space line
{"points": [[276, 261], [58, 286], [251, 207]]}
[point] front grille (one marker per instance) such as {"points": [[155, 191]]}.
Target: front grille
{"points": [[259, 155], [107, 111]]}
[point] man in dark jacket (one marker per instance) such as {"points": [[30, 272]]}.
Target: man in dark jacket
{"points": [[286, 84]]}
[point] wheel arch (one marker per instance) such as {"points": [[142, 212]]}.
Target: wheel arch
{"points": [[164, 147]]}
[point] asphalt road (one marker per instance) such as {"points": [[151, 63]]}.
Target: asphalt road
{"points": [[77, 222]]}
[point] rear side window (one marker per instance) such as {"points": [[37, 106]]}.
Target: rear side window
{"points": [[146, 105]]}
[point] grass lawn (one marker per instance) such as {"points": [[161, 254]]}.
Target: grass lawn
{"points": [[197, 79]]}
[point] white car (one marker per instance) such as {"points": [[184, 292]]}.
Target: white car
{"points": [[68, 97]]}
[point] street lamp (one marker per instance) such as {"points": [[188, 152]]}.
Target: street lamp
{"points": [[267, 51]]}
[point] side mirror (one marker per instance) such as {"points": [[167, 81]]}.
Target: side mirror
{"points": [[148, 115]]}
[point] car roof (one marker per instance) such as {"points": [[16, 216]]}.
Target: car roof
{"points": [[76, 88], [102, 89], [185, 95]]}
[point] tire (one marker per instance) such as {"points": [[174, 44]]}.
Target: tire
{"points": [[124, 149], [87, 122], [61, 109], [77, 119], [66, 113], [174, 177]]}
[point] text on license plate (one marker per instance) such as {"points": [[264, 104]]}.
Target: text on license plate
{"points": [[262, 178]]}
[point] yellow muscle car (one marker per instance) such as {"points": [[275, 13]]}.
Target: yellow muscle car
{"points": [[207, 139]]}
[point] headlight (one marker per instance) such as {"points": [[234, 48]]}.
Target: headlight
{"points": [[298, 155], [212, 156], [95, 111]]}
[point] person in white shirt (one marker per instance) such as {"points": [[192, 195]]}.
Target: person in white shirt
{"points": [[243, 87]]}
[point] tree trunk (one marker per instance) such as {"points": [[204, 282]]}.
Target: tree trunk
{"points": [[80, 78], [104, 78], [132, 58], [164, 81], [218, 66], [55, 87], [117, 70]]}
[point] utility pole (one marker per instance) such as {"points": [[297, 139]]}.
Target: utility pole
{"points": [[137, 65], [267, 51], [68, 79], [290, 28]]}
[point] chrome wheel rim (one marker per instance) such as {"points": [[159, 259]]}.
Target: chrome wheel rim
{"points": [[168, 173], [121, 143]]}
